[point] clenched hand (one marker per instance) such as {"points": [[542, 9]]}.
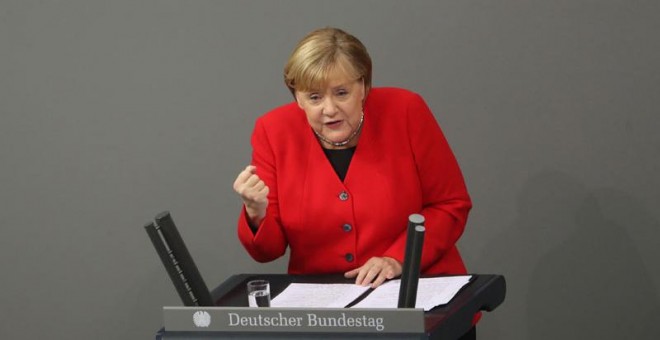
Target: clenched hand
{"points": [[254, 193]]}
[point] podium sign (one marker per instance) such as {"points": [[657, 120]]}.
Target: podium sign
{"points": [[293, 320], [231, 318]]}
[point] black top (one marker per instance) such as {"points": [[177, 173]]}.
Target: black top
{"points": [[340, 160]]}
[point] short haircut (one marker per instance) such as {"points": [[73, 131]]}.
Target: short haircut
{"points": [[322, 51]]}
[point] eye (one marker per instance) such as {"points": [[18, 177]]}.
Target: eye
{"points": [[341, 92], [314, 97]]}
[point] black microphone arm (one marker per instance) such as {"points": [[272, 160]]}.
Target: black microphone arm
{"points": [[411, 261], [179, 264]]}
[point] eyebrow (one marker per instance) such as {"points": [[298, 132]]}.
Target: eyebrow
{"points": [[340, 86], [334, 88]]}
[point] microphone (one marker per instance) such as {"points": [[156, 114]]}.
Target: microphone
{"points": [[179, 264], [411, 261]]}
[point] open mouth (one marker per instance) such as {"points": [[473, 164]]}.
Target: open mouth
{"points": [[333, 124]]}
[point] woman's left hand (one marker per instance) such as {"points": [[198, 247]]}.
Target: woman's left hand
{"points": [[375, 271]]}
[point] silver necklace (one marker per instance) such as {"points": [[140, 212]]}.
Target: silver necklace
{"points": [[342, 143]]}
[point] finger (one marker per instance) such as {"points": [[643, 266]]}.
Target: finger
{"points": [[257, 187], [379, 280], [367, 273], [251, 194], [362, 273], [250, 189], [263, 193], [244, 175], [352, 273], [249, 170], [252, 180], [363, 270], [371, 274]]}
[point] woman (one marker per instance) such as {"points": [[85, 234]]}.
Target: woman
{"points": [[336, 173]]}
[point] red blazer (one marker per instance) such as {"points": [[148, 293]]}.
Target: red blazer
{"points": [[402, 165]]}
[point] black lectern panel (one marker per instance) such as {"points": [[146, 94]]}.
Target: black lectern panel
{"points": [[450, 321], [178, 263]]}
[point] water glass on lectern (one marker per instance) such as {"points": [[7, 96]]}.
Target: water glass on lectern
{"points": [[258, 293]]}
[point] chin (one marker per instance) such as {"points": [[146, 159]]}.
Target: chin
{"points": [[338, 139]]}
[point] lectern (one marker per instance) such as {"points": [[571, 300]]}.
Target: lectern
{"points": [[224, 312], [233, 318]]}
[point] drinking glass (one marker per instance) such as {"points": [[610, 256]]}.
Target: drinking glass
{"points": [[258, 293]]}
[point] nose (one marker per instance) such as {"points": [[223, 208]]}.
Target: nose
{"points": [[329, 107]]}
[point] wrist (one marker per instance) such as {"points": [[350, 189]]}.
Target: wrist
{"points": [[254, 216]]}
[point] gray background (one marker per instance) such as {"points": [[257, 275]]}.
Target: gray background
{"points": [[112, 111]]}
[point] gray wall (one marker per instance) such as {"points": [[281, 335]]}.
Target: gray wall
{"points": [[112, 111]]}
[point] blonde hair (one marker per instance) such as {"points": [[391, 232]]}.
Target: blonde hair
{"points": [[321, 52]]}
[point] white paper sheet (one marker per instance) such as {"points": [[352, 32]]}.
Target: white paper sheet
{"points": [[431, 292], [312, 295]]}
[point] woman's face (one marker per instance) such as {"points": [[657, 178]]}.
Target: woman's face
{"points": [[334, 111]]}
